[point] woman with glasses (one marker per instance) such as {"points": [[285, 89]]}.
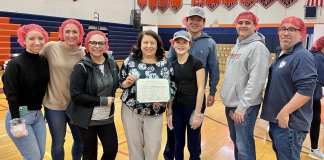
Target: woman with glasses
{"points": [[94, 81], [24, 83]]}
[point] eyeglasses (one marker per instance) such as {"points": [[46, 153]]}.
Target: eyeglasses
{"points": [[289, 29], [244, 22], [95, 43]]}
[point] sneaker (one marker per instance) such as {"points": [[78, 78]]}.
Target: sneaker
{"points": [[316, 154]]}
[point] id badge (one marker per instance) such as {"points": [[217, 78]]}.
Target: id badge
{"points": [[23, 110]]}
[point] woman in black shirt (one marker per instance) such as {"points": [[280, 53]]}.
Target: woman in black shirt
{"points": [[186, 112], [24, 84], [94, 81]]}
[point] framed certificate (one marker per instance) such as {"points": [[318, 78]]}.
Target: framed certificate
{"points": [[152, 90]]}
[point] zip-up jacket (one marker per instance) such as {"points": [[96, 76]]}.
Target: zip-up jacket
{"points": [[84, 90]]}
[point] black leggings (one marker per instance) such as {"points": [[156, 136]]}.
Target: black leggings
{"points": [[108, 137], [316, 122]]}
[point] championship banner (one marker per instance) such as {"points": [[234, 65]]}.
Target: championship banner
{"points": [[266, 3], [142, 4], [247, 4], [212, 4], [200, 3], [175, 5], [152, 5], [315, 3], [229, 4], [287, 3], [163, 5]]}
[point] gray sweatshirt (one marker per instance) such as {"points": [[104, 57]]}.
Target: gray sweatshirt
{"points": [[246, 72]]}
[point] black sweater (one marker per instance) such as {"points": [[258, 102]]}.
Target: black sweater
{"points": [[25, 82]]}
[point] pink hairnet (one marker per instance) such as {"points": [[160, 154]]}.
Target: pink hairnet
{"points": [[247, 15], [91, 33], [296, 22], [318, 45], [23, 30], [77, 24]]}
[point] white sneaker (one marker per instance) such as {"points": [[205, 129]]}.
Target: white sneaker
{"points": [[316, 154]]}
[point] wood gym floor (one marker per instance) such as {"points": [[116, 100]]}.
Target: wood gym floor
{"points": [[216, 144]]}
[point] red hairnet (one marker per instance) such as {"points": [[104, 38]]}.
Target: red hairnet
{"points": [[247, 15], [185, 22], [296, 22], [318, 45], [91, 33], [23, 30], [77, 24]]}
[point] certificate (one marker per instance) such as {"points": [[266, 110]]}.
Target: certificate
{"points": [[100, 113], [152, 90]]}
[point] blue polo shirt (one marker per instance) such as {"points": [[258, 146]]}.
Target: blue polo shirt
{"points": [[292, 72]]}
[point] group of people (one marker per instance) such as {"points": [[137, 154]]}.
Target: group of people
{"points": [[77, 86]]}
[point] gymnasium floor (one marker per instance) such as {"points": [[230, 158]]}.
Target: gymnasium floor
{"points": [[216, 144]]}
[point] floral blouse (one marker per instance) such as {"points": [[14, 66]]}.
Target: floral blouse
{"points": [[161, 69]]}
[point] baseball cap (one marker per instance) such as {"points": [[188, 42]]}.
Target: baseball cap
{"points": [[182, 34], [197, 11]]}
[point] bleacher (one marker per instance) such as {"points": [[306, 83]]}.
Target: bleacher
{"points": [[121, 36]]}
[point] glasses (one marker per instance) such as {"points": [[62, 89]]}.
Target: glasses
{"points": [[244, 22], [95, 43], [289, 29]]}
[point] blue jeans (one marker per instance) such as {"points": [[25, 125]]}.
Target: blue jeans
{"points": [[57, 120], [286, 142], [242, 134], [32, 146]]}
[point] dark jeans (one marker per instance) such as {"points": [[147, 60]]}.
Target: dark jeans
{"points": [[57, 120], [181, 118], [108, 137], [169, 149], [286, 142], [316, 123], [242, 134], [168, 153]]}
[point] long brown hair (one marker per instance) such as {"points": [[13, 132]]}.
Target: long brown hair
{"points": [[137, 52]]}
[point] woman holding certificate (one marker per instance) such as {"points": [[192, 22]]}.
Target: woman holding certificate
{"points": [[94, 81], [187, 105], [142, 120]]}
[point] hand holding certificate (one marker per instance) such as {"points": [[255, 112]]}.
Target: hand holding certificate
{"points": [[152, 90]]}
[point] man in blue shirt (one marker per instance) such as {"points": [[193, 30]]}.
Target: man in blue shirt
{"points": [[288, 98], [203, 48]]}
